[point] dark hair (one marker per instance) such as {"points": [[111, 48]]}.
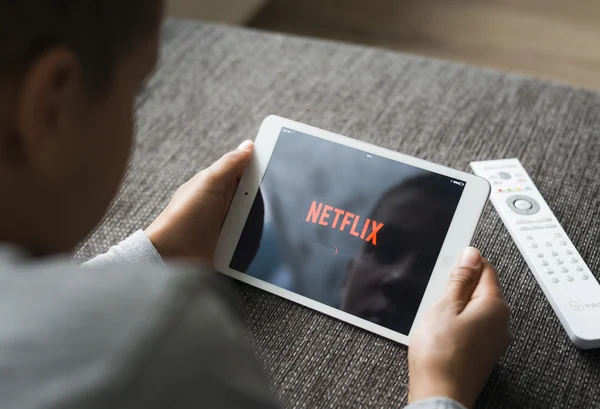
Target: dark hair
{"points": [[98, 31]]}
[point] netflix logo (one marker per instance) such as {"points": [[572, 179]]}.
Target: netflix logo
{"points": [[334, 218]]}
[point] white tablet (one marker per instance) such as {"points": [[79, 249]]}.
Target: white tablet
{"points": [[358, 232]]}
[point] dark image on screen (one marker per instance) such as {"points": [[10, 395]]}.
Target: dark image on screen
{"points": [[351, 230]]}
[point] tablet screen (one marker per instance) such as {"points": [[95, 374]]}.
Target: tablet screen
{"points": [[352, 230]]}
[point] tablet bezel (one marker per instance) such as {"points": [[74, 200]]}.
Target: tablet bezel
{"points": [[460, 233]]}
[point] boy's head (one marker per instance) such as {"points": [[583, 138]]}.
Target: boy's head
{"points": [[69, 74]]}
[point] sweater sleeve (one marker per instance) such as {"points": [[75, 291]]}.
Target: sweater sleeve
{"points": [[137, 248], [435, 403]]}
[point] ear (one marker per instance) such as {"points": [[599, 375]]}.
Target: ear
{"points": [[48, 100]]}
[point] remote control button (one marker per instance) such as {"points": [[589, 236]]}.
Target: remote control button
{"points": [[544, 263], [579, 268], [538, 227], [550, 226], [523, 205], [544, 220], [559, 262], [533, 246], [504, 175], [569, 278], [574, 260], [519, 175], [564, 270], [548, 244], [529, 237], [554, 280], [522, 180], [555, 254], [562, 242], [568, 252], [540, 255], [585, 277], [558, 235], [549, 271]]}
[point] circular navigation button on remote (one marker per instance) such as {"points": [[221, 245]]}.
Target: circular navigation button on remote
{"points": [[554, 280], [585, 277], [540, 255], [549, 271], [505, 175], [579, 268], [533, 246], [523, 205], [569, 278]]}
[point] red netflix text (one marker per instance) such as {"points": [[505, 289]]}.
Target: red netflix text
{"points": [[330, 216]]}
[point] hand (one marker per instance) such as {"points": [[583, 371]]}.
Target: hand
{"points": [[455, 348], [190, 225]]}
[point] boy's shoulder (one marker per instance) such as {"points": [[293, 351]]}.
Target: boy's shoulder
{"points": [[68, 331]]}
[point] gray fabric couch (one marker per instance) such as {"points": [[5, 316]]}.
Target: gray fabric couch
{"points": [[215, 85]]}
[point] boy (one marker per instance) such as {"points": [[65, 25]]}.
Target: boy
{"points": [[126, 329]]}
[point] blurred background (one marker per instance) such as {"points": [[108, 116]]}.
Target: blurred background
{"points": [[552, 39]]}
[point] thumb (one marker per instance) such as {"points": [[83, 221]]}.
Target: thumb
{"points": [[464, 279], [231, 165]]}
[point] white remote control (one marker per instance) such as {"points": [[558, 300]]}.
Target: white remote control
{"points": [[556, 264]]}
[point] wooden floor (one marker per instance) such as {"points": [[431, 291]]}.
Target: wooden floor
{"points": [[553, 39]]}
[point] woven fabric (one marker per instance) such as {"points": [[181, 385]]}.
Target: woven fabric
{"points": [[215, 85]]}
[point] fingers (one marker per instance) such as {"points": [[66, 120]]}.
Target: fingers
{"points": [[464, 279], [489, 283], [231, 166]]}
